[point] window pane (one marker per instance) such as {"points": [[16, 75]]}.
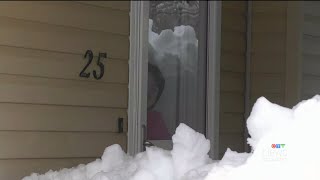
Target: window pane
{"points": [[177, 67]]}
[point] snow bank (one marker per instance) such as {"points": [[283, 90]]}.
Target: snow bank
{"points": [[285, 142], [190, 152], [285, 146]]}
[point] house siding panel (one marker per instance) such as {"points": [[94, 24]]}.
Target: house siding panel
{"points": [[52, 118], [310, 50], [233, 49]]}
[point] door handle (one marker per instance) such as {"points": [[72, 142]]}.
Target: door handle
{"points": [[146, 143]]}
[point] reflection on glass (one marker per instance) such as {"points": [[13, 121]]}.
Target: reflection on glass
{"points": [[176, 76]]}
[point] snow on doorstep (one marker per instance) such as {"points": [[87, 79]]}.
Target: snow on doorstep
{"points": [[190, 152], [285, 145]]}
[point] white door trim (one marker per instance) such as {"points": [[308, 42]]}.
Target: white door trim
{"points": [[138, 64], [137, 115]]}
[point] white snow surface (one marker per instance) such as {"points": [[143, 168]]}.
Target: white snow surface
{"points": [[298, 158], [190, 152], [297, 129]]}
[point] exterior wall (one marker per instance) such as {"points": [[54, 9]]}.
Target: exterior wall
{"points": [[276, 52], [232, 83], [268, 52], [275, 62], [310, 49], [50, 117]]}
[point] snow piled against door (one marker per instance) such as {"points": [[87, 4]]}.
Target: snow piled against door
{"points": [[285, 145]]}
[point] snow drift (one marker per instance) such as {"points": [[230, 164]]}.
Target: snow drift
{"points": [[190, 152], [284, 141]]}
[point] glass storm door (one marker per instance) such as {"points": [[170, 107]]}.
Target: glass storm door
{"points": [[176, 69]]}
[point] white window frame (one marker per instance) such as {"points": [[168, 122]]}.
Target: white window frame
{"points": [[137, 115]]}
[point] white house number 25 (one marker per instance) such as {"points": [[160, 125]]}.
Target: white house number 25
{"points": [[89, 55]]}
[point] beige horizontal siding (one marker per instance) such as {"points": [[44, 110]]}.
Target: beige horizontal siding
{"points": [[233, 47], [278, 7], [70, 14], [310, 50], [33, 90], [232, 123], [311, 25], [33, 117], [231, 102], [268, 51], [232, 82], [233, 42], [23, 144], [232, 63], [35, 35], [237, 7], [277, 25], [265, 63], [311, 64], [311, 85], [310, 44], [229, 23], [119, 5], [311, 8], [40, 63], [266, 83], [277, 98], [50, 117], [237, 140], [266, 42]]}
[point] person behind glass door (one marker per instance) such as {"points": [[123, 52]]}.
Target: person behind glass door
{"points": [[156, 127]]}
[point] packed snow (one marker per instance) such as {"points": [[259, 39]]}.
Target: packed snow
{"points": [[284, 141]]}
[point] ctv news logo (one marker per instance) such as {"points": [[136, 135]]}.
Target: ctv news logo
{"points": [[275, 152], [278, 146]]}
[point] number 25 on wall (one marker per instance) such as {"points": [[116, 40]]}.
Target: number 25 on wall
{"points": [[89, 55]]}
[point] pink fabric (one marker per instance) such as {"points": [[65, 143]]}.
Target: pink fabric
{"points": [[157, 129]]}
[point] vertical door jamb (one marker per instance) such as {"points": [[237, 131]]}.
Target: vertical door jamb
{"points": [[213, 76], [138, 69]]}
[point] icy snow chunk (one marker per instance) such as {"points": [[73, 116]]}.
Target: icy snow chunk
{"points": [[287, 146], [198, 173], [190, 150], [266, 116], [233, 158], [112, 165], [157, 163], [113, 156]]}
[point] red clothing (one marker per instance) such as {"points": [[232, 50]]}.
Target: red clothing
{"points": [[156, 128]]}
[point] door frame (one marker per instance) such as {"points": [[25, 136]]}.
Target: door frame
{"points": [[138, 64]]}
